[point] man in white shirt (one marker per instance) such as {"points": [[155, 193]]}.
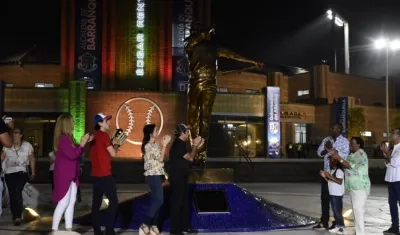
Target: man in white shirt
{"points": [[392, 159], [338, 142]]}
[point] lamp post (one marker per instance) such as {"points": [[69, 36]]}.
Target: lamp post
{"points": [[339, 21], [387, 45]]}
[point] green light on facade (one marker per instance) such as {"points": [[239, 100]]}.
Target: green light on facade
{"points": [[77, 107]]}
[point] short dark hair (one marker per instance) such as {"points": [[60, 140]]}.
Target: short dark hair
{"points": [[21, 131], [97, 127], [339, 125], [359, 141]]}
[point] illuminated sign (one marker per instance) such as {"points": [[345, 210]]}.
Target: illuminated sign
{"points": [[272, 119], [296, 115], [140, 16], [134, 113]]}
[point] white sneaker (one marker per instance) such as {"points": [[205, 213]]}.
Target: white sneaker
{"points": [[334, 230]]}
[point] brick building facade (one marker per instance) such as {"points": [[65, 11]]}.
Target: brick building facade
{"points": [[307, 106]]}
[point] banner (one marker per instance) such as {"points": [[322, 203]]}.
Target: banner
{"points": [[88, 42], [272, 121], [183, 16], [342, 113]]}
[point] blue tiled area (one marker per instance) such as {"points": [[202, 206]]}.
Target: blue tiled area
{"points": [[247, 213]]}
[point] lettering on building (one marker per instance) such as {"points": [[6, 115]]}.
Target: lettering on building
{"points": [[140, 37], [188, 16], [295, 115], [88, 27]]}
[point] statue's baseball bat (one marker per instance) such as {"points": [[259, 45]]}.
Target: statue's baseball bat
{"points": [[240, 70]]}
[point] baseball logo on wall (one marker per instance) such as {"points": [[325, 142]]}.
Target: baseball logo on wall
{"points": [[134, 114]]}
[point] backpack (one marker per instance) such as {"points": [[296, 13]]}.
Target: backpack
{"points": [[334, 173]]}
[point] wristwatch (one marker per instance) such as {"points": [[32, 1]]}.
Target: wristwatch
{"points": [[341, 160]]}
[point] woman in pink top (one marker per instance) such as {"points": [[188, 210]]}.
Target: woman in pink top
{"points": [[66, 170]]}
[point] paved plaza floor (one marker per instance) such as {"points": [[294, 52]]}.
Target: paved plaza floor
{"points": [[301, 197]]}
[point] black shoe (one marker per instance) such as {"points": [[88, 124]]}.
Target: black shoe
{"points": [[333, 225], [189, 230], [391, 230], [17, 223], [320, 227], [98, 232], [109, 232], [176, 233]]}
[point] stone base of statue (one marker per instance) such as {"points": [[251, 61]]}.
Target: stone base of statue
{"points": [[211, 176]]}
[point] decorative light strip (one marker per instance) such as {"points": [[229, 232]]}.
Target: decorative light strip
{"points": [[140, 16]]}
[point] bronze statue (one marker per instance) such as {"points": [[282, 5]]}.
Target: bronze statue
{"points": [[202, 53]]}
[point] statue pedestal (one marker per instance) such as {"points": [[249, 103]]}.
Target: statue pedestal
{"points": [[217, 205], [211, 176]]}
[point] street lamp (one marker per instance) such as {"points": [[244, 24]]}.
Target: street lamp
{"points": [[339, 21], [387, 45]]}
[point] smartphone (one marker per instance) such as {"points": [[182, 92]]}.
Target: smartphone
{"points": [[387, 144], [8, 120]]}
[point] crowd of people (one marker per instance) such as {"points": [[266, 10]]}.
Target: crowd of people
{"points": [[346, 170], [66, 171]]}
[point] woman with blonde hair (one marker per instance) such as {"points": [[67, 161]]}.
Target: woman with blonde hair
{"points": [[66, 170]]}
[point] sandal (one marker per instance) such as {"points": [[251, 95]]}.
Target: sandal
{"points": [[144, 230], [154, 230]]}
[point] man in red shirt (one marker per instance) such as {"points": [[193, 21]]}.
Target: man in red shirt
{"points": [[101, 150]]}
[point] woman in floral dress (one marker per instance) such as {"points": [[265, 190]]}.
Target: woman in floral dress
{"points": [[356, 181], [153, 155]]}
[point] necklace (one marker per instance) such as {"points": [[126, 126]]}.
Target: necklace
{"points": [[16, 150]]}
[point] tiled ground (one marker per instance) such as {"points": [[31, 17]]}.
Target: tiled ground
{"points": [[303, 198]]}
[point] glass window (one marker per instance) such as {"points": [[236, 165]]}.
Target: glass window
{"points": [[303, 92], [222, 90], [300, 133], [250, 91], [228, 132], [42, 85]]}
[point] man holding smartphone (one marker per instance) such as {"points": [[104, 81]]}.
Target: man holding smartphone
{"points": [[180, 161], [342, 145]]}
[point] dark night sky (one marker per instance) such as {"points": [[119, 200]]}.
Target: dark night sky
{"points": [[285, 32]]}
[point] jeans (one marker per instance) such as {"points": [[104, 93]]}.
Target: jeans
{"points": [[65, 206], [324, 203], [104, 186], [394, 198], [337, 208], [15, 184], [157, 198]]}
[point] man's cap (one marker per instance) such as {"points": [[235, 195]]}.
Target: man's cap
{"points": [[181, 128], [100, 117]]}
